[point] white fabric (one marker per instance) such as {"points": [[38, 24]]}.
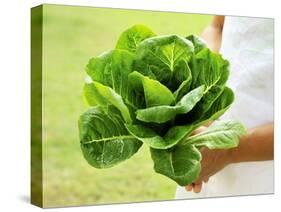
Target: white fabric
{"points": [[248, 45]]}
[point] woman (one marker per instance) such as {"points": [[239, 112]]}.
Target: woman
{"points": [[248, 169]]}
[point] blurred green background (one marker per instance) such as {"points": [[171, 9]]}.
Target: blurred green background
{"points": [[71, 36]]}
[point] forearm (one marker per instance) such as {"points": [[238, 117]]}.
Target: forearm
{"points": [[212, 34], [257, 145]]}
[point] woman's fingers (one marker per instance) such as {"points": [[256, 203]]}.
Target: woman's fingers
{"points": [[199, 130], [206, 179], [197, 187], [188, 187]]}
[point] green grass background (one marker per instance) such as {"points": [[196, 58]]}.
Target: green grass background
{"points": [[71, 36]]}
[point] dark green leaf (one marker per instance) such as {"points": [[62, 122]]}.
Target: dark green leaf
{"points": [[183, 88], [180, 163], [218, 108], [205, 103], [104, 139], [209, 69], [152, 139], [198, 43]]}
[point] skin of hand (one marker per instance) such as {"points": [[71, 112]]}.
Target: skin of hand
{"points": [[212, 162], [257, 145]]}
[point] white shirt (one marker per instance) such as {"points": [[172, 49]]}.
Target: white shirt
{"points": [[248, 44]]}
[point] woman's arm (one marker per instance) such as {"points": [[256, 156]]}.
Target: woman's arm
{"points": [[257, 145], [212, 34]]}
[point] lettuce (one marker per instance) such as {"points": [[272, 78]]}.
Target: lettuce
{"points": [[157, 90]]}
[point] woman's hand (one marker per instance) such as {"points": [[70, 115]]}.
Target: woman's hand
{"points": [[257, 145], [212, 162]]}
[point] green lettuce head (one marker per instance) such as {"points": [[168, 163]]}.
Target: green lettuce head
{"points": [[157, 90]]}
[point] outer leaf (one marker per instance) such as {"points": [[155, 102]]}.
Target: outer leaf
{"points": [[209, 69], [218, 108], [221, 135], [162, 114], [104, 140], [205, 103], [98, 94], [181, 163], [112, 69], [152, 139], [210, 97], [198, 43], [167, 58], [130, 39], [155, 93]]}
